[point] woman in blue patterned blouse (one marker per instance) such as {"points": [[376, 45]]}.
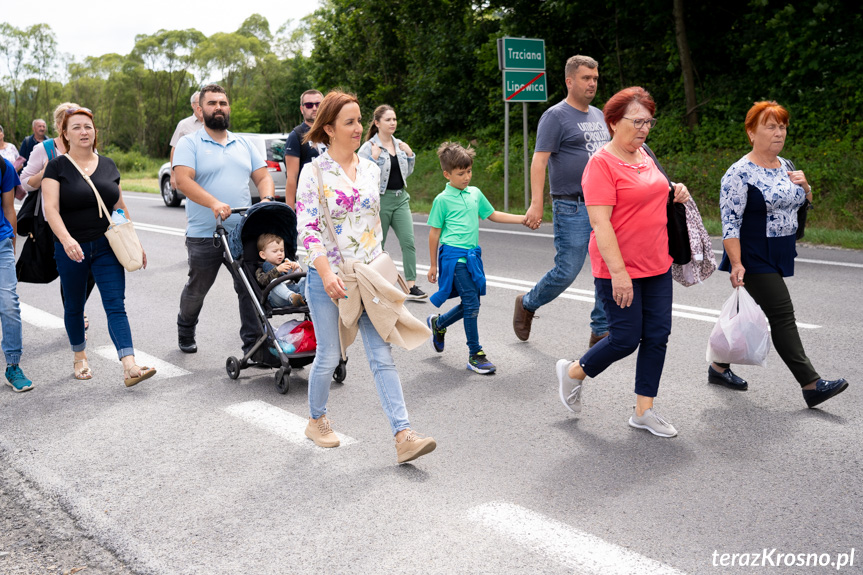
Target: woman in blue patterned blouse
{"points": [[759, 199]]}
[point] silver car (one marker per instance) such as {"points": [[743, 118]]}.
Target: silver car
{"points": [[270, 146]]}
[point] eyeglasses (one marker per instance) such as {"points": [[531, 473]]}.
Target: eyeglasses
{"points": [[71, 111], [310, 105], [640, 123]]}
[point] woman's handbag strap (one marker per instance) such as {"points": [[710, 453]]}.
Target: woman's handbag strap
{"points": [[102, 209]]}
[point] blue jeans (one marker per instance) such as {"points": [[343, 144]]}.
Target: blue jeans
{"points": [[205, 261], [10, 311], [110, 277], [325, 316], [571, 238], [645, 325], [467, 310], [280, 296]]}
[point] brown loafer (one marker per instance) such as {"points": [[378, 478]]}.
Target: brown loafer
{"points": [[521, 319]]}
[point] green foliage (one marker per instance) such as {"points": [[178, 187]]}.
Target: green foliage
{"points": [[133, 164]]}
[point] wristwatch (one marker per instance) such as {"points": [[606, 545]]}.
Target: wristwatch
{"points": [[268, 197]]}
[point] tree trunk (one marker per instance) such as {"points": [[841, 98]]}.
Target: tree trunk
{"points": [[685, 64]]}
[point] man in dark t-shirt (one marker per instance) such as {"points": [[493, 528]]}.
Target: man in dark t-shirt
{"points": [[298, 154], [38, 135], [569, 133]]}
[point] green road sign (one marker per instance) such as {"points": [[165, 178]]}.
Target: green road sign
{"points": [[521, 86], [521, 53]]}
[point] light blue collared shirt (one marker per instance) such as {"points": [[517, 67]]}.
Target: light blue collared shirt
{"points": [[223, 171]]}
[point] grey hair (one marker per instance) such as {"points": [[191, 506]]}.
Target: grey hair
{"points": [[194, 99], [578, 60]]}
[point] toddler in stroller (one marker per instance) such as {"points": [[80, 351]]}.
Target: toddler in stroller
{"points": [[271, 249], [245, 259]]}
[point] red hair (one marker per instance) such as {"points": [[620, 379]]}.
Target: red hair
{"points": [[328, 111], [616, 107], [763, 111]]}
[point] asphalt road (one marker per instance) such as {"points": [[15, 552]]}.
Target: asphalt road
{"points": [[192, 472]]}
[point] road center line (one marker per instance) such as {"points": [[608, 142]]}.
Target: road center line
{"points": [[576, 549], [41, 319], [164, 370], [278, 422]]}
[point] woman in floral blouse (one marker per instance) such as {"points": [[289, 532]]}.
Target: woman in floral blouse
{"points": [[351, 188], [758, 201]]}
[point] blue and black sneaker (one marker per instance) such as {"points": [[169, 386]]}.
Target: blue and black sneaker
{"points": [[16, 379], [480, 363], [437, 333]]}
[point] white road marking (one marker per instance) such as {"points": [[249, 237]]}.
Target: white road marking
{"points": [[576, 549], [145, 197], [278, 422], [159, 229], [164, 370], [41, 319]]}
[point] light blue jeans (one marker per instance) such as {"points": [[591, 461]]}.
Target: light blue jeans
{"points": [[571, 238], [10, 311], [325, 317]]}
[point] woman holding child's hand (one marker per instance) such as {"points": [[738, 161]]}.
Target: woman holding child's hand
{"points": [[350, 187]]}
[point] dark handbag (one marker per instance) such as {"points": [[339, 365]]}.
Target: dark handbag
{"points": [[27, 213], [36, 263], [678, 232]]}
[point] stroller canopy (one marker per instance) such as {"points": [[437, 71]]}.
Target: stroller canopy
{"points": [[265, 218]]}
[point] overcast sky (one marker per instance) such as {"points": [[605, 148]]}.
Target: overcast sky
{"points": [[97, 27]]}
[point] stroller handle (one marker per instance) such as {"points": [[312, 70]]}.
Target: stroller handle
{"points": [[233, 211]]}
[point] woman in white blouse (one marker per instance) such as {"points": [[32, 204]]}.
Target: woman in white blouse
{"points": [[9, 151], [351, 188]]}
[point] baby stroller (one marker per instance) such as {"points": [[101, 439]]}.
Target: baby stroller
{"points": [[241, 251]]}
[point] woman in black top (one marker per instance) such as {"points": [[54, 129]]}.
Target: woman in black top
{"points": [[80, 245]]}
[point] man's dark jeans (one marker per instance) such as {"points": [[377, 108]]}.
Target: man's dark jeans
{"points": [[205, 260]]}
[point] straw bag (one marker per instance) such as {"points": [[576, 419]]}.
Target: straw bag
{"points": [[122, 237], [382, 264]]}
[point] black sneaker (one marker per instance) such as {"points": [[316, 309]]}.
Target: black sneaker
{"points": [[187, 344], [480, 363], [437, 333], [416, 294]]}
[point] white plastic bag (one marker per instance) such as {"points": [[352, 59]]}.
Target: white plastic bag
{"points": [[741, 334]]}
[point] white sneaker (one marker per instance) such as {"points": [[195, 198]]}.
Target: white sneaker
{"points": [[652, 422], [570, 389]]}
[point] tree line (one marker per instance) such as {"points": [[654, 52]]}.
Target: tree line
{"points": [[436, 63]]}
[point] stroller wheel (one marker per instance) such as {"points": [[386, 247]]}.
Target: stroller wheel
{"points": [[232, 366], [341, 371], [283, 379]]}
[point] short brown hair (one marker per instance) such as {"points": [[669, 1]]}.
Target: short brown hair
{"points": [[215, 88], [74, 111], [454, 156], [615, 108], [265, 239], [329, 110], [308, 92], [760, 112], [578, 60]]}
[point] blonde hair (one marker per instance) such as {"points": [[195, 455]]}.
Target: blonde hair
{"points": [[60, 115]]}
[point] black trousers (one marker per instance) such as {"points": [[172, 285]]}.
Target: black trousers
{"points": [[770, 292]]}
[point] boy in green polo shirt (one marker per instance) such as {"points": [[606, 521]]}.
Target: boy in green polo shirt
{"points": [[454, 242]]}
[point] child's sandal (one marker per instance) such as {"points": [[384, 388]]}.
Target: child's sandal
{"points": [[83, 372], [137, 374]]}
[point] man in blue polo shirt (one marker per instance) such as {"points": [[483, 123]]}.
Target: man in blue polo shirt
{"points": [[10, 311], [212, 167]]}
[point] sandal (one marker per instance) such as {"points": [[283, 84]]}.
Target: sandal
{"points": [[84, 372], [137, 374]]}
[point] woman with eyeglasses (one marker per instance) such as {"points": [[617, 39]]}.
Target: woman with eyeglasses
{"points": [[80, 245], [759, 198], [396, 161], [626, 193]]}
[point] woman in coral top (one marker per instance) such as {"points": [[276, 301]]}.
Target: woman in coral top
{"points": [[626, 194]]}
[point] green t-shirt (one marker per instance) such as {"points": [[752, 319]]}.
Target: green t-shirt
{"points": [[457, 213]]}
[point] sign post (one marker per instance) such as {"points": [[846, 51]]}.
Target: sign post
{"points": [[522, 61]]}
